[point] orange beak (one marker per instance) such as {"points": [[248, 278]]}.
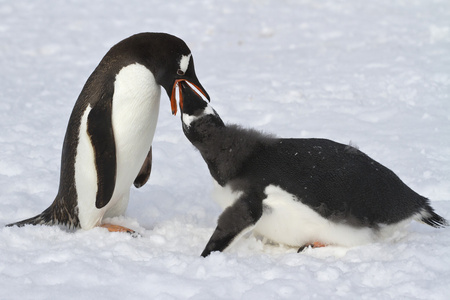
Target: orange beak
{"points": [[173, 100]]}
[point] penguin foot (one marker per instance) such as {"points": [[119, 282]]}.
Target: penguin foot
{"points": [[118, 228], [312, 245]]}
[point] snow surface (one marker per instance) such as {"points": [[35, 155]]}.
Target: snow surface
{"points": [[373, 73]]}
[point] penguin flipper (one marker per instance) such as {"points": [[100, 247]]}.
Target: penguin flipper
{"points": [[233, 223], [101, 133], [144, 173]]}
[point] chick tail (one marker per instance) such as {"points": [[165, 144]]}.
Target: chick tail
{"points": [[429, 217]]}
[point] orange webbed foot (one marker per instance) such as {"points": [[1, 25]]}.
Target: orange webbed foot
{"points": [[311, 245], [118, 228]]}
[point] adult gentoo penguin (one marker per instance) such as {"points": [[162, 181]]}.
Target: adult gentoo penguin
{"points": [[107, 146], [297, 191]]}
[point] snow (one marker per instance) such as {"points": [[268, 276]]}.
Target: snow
{"points": [[375, 74]]}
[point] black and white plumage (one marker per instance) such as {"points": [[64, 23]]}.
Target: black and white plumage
{"points": [[297, 191], [107, 146]]}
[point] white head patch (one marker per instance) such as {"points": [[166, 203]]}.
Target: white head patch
{"points": [[184, 62]]}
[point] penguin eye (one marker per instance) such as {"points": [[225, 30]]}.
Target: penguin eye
{"points": [[180, 72]]}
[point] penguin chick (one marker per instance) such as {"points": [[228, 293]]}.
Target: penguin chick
{"points": [[297, 191], [107, 146]]}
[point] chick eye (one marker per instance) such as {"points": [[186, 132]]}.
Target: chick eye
{"points": [[180, 72]]}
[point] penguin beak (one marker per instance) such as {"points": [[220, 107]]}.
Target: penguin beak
{"points": [[196, 87]]}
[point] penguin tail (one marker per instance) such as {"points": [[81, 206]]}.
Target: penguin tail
{"points": [[56, 214], [429, 217], [40, 219]]}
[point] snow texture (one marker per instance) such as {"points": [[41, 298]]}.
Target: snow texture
{"points": [[373, 73]]}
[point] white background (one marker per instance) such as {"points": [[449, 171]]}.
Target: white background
{"points": [[376, 74]]}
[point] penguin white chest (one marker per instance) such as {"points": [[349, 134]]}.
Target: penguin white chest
{"points": [[286, 220], [135, 108]]}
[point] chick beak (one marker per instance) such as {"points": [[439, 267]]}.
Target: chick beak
{"points": [[173, 100]]}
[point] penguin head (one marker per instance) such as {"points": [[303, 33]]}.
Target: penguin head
{"points": [[197, 115], [166, 56], [185, 74], [191, 103], [173, 63]]}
